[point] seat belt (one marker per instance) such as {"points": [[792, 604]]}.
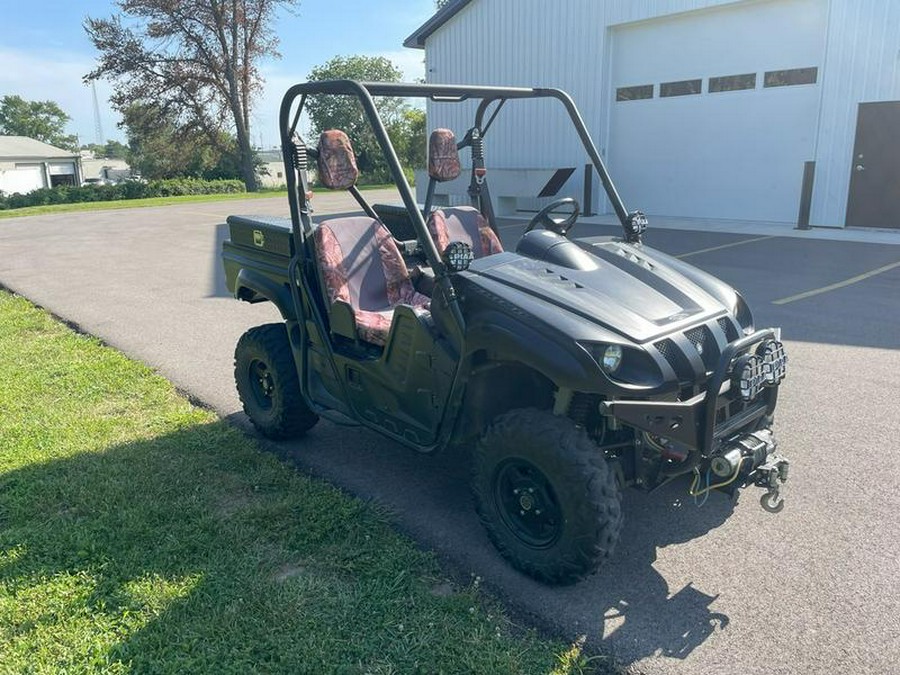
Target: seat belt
{"points": [[479, 193]]}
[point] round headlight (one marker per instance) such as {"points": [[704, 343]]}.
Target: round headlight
{"points": [[612, 358]]}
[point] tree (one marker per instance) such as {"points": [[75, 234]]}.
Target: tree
{"points": [[115, 150], [108, 150], [43, 121], [157, 148], [345, 112], [408, 136], [195, 61]]}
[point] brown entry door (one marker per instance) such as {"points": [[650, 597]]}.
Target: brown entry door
{"points": [[874, 199]]}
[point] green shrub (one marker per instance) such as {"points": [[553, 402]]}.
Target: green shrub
{"points": [[178, 187], [174, 187], [134, 189]]}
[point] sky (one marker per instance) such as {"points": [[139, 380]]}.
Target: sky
{"points": [[45, 53]]}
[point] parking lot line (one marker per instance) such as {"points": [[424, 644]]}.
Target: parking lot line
{"points": [[721, 246], [835, 286]]}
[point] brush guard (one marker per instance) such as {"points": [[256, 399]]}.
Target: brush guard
{"points": [[721, 455]]}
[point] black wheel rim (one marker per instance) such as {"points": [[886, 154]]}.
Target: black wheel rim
{"points": [[527, 503], [262, 384]]}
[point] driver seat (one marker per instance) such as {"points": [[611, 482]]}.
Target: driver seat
{"points": [[363, 274], [457, 223]]}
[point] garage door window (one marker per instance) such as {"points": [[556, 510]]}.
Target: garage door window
{"points": [[787, 78], [680, 88], [634, 93], [732, 82], [62, 179]]}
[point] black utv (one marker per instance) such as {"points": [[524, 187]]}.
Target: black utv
{"points": [[573, 367]]}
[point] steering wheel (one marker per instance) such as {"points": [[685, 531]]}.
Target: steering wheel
{"points": [[558, 225]]}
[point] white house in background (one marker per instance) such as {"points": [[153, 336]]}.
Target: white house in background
{"points": [[270, 173], [105, 170], [27, 164], [701, 108]]}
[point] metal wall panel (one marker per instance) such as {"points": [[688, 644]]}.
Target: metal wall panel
{"points": [[735, 155], [566, 45], [517, 43], [862, 64]]}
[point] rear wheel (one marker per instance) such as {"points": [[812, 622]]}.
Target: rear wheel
{"points": [[267, 383], [546, 496]]}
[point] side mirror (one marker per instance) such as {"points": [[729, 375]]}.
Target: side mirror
{"points": [[458, 256]]}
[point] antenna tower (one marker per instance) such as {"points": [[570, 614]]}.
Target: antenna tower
{"points": [[98, 127]]}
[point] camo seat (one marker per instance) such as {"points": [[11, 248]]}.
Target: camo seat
{"points": [[458, 223], [465, 224], [361, 267]]}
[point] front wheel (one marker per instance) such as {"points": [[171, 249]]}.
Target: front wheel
{"points": [[546, 496], [267, 383]]}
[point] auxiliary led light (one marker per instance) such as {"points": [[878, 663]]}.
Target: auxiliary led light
{"points": [[458, 256], [612, 358], [774, 361], [748, 376]]}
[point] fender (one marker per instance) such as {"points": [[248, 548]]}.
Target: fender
{"points": [[252, 286], [518, 342]]}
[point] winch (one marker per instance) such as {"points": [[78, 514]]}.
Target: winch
{"points": [[752, 458]]}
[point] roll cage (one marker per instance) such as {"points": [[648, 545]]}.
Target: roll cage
{"points": [[295, 156]]}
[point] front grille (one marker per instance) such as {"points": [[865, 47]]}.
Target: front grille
{"points": [[728, 328], [697, 336], [676, 359], [668, 349], [704, 342]]}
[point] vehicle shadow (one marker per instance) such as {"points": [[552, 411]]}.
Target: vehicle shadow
{"points": [[636, 613], [627, 608], [96, 519]]}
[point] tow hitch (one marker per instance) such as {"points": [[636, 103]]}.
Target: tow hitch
{"points": [[751, 457], [771, 476]]}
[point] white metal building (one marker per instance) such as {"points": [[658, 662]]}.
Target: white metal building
{"points": [[103, 169], [702, 108], [27, 164]]}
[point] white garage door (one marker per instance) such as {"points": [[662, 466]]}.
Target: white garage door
{"points": [[714, 113], [23, 179]]}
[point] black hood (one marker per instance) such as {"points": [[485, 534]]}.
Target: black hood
{"points": [[632, 290]]}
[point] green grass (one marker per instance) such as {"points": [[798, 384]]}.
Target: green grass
{"points": [[134, 203], [154, 201], [141, 534]]}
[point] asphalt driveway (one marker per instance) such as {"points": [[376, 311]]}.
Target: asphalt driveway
{"points": [[726, 588]]}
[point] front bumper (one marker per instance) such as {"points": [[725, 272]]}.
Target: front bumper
{"points": [[710, 419]]}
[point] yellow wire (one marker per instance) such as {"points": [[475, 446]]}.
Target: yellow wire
{"points": [[710, 488]]}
